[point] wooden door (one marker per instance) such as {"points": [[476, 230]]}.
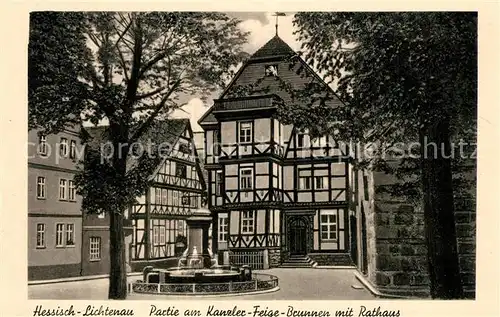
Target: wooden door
{"points": [[298, 237]]}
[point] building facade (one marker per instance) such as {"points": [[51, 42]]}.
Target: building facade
{"points": [[274, 190], [95, 243], [280, 196], [159, 217], [54, 209], [64, 242]]}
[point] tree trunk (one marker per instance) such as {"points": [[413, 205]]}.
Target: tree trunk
{"points": [[118, 268], [439, 215]]}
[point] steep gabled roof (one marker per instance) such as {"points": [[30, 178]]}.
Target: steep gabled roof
{"points": [[275, 47], [208, 117], [160, 132]]}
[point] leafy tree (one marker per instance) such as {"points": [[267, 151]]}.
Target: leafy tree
{"points": [[56, 55], [129, 69], [403, 77]]}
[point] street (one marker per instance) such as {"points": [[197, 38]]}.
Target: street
{"points": [[295, 284]]}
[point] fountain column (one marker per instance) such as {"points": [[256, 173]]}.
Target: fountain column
{"points": [[198, 224]]}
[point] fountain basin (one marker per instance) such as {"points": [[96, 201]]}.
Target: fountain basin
{"points": [[259, 283], [181, 275]]}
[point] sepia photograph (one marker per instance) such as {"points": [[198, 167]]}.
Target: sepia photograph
{"points": [[184, 155]]}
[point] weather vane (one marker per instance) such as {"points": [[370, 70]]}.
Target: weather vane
{"points": [[278, 14]]}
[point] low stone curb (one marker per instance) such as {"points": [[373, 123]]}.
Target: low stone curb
{"points": [[76, 279], [332, 267], [180, 295], [375, 291]]}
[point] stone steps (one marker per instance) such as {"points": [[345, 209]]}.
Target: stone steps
{"points": [[296, 261]]}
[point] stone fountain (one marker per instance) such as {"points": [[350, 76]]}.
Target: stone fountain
{"points": [[198, 264]]}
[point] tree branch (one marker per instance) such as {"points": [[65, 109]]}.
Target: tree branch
{"points": [[117, 46], [151, 93], [140, 131], [136, 64], [158, 58], [120, 37], [94, 39]]}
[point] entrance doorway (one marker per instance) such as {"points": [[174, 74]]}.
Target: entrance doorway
{"points": [[298, 236]]}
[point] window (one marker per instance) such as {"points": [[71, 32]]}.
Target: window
{"points": [[72, 149], [245, 132], [164, 196], [216, 143], [180, 227], [70, 234], [71, 190], [321, 141], [304, 179], [42, 145], [62, 189], [95, 249], [300, 140], [63, 147], [59, 235], [247, 221], [158, 196], [246, 178], [218, 183], [156, 235], [321, 182], [194, 202], [40, 235], [180, 170], [40, 187], [175, 198], [194, 173], [162, 235], [185, 200], [271, 70], [223, 227], [329, 225]]}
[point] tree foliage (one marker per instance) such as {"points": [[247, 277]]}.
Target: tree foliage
{"points": [[404, 77], [396, 71], [129, 69], [56, 56]]}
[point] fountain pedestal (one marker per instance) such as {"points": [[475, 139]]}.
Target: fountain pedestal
{"points": [[198, 226]]}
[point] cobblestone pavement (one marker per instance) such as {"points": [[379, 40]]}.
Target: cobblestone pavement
{"points": [[295, 284]]}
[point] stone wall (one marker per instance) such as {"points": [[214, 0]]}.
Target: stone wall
{"points": [[465, 218], [397, 253], [274, 257], [331, 259], [466, 236]]}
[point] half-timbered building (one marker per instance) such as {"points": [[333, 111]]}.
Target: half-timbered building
{"points": [[159, 217], [275, 193]]}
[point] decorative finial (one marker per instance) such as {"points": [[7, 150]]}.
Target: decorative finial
{"points": [[278, 14]]}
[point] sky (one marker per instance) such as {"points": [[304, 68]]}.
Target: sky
{"points": [[261, 26]]}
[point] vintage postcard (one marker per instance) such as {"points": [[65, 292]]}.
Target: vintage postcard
{"points": [[236, 162]]}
